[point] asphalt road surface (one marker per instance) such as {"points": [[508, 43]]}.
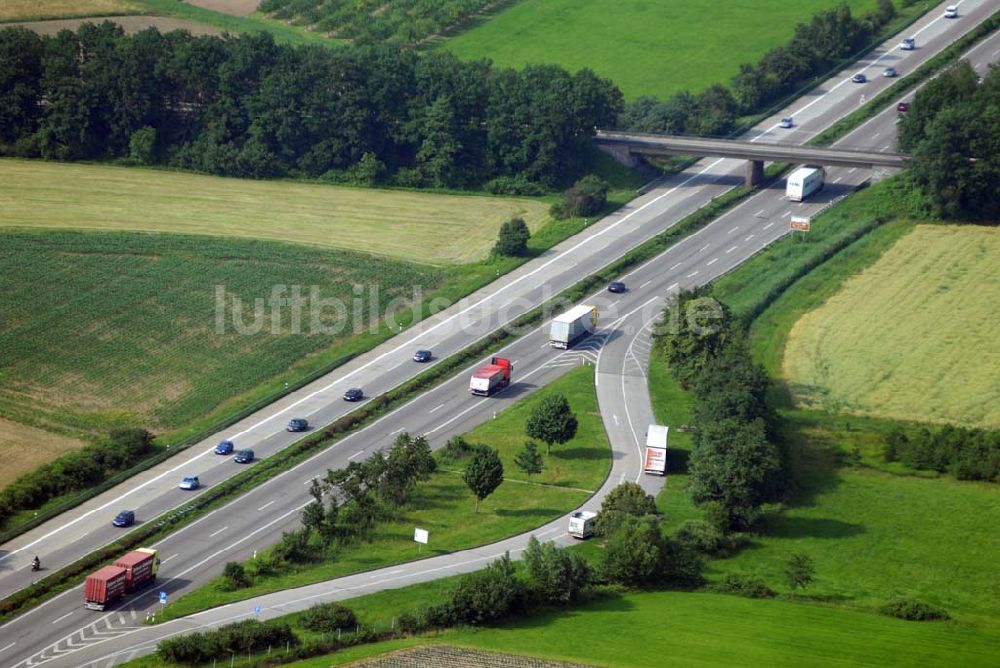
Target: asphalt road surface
{"points": [[62, 630]]}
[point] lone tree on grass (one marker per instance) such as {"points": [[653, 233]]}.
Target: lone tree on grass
{"points": [[513, 238], [484, 472], [552, 421], [529, 460], [799, 570]]}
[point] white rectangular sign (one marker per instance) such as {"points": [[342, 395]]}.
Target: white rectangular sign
{"points": [[800, 223], [421, 535]]}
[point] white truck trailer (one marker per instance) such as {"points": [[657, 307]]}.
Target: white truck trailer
{"points": [[803, 182], [581, 524], [572, 325], [656, 450]]}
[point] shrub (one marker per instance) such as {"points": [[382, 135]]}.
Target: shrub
{"points": [[743, 584], [626, 500], [587, 197], [142, 146], [489, 594], [328, 617], [513, 238], [705, 537], [513, 185], [635, 553], [457, 448], [241, 637], [234, 576], [913, 610]]}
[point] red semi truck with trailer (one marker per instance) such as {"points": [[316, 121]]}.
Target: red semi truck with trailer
{"points": [[129, 573], [492, 377]]}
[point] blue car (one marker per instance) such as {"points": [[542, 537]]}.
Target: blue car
{"points": [[224, 448], [125, 518]]}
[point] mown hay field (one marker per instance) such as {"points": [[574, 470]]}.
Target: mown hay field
{"points": [[102, 330], [27, 10], [646, 48], [912, 337], [419, 227]]}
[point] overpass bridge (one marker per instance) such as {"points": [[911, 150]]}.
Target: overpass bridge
{"points": [[628, 144]]}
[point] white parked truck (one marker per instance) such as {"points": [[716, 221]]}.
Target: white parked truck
{"points": [[803, 182], [572, 325], [581, 524], [656, 450]]}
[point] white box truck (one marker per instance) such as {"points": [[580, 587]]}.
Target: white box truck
{"points": [[572, 325], [656, 450], [803, 182], [581, 524]]}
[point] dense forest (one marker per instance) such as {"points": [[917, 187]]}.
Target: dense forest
{"points": [[246, 106]]}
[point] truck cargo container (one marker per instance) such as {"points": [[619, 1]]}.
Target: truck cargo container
{"points": [[492, 377], [803, 182], [572, 325], [581, 524], [104, 586], [129, 573], [656, 450]]}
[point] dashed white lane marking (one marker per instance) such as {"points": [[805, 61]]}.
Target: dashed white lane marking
{"points": [[786, 214], [837, 180], [7, 646], [732, 249], [852, 170], [440, 406], [59, 619], [711, 262], [645, 284], [758, 214], [768, 225], [617, 423], [356, 454], [672, 286], [266, 505], [749, 238], [397, 431], [175, 554], [675, 266], [875, 136], [734, 229], [703, 248], [213, 535], [693, 274]]}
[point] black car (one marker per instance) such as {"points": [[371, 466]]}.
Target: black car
{"points": [[422, 356], [354, 394], [616, 287], [859, 78], [298, 424], [125, 518], [243, 457]]}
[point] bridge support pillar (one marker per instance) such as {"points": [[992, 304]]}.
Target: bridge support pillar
{"points": [[755, 173]]}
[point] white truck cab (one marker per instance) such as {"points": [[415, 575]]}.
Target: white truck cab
{"points": [[581, 524]]}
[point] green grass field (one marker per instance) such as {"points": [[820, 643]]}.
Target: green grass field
{"points": [[646, 48], [913, 336], [141, 311], [445, 506], [418, 227]]}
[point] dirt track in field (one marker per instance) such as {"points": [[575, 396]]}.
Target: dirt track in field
{"points": [[234, 7], [132, 24]]}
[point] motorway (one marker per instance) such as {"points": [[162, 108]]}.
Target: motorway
{"points": [[197, 552]]}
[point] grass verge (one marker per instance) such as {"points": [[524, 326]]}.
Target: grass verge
{"points": [[444, 505]]}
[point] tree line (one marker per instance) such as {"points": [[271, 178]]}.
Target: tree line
{"points": [[828, 38], [953, 130], [735, 465], [76, 471], [967, 454], [246, 106]]}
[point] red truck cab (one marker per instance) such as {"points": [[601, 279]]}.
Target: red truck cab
{"points": [[492, 377]]}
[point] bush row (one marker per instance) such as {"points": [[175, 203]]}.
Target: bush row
{"points": [[76, 471], [239, 638], [967, 454]]}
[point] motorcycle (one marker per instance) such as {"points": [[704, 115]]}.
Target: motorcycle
{"points": [[36, 565]]}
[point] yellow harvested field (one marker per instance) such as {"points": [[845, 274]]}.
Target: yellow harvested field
{"points": [[914, 336], [26, 10], [421, 227], [25, 448]]}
